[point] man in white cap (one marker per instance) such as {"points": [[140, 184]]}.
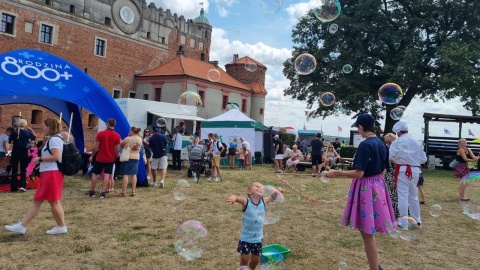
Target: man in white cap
{"points": [[408, 155], [278, 144]]}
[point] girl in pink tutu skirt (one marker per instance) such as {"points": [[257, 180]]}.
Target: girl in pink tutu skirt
{"points": [[368, 207]]}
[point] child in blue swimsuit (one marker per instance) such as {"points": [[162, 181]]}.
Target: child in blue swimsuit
{"points": [[253, 219]]}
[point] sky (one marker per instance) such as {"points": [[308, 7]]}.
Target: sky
{"points": [[247, 27]]}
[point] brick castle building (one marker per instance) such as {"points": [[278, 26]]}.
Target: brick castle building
{"points": [[116, 42]]}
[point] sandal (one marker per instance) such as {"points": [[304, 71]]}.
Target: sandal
{"points": [[122, 194], [133, 194]]}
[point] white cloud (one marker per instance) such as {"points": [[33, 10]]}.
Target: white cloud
{"points": [[296, 11], [223, 12], [190, 9]]}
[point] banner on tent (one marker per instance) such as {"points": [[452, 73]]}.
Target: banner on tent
{"points": [[227, 135]]}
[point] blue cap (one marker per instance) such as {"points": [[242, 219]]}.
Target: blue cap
{"points": [[155, 128], [364, 120]]}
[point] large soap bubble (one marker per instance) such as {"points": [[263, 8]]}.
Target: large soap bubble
{"points": [[271, 6], [213, 75], [327, 10], [333, 28], [327, 99], [406, 229], [398, 113], [190, 239], [390, 93], [188, 102], [471, 207], [305, 64], [271, 259], [181, 190], [251, 66]]}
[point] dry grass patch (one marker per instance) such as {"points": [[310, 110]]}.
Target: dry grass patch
{"points": [[138, 232]]}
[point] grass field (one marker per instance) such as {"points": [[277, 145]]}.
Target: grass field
{"points": [[138, 232]]}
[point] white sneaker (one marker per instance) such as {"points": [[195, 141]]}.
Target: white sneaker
{"points": [[16, 228], [57, 230], [210, 178], [148, 177], [153, 184], [195, 178], [22, 189], [217, 179], [162, 184]]}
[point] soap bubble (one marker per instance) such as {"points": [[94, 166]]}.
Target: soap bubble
{"points": [[327, 99], [213, 75], [251, 66], [333, 28], [271, 259], [273, 213], [406, 229], [190, 239], [233, 32], [325, 179], [270, 6], [397, 113], [303, 187], [471, 208], [188, 102], [347, 68], [181, 190], [270, 16], [305, 64], [342, 265], [327, 10], [231, 106], [435, 210], [390, 93], [269, 190]]}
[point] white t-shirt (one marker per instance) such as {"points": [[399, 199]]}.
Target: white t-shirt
{"points": [[178, 141], [216, 149], [53, 143], [246, 144], [3, 138]]}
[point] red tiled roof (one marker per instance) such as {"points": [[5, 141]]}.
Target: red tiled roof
{"points": [[182, 65], [247, 59], [257, 87]]}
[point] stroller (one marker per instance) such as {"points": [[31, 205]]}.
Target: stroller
{"points": [[197, 161]]}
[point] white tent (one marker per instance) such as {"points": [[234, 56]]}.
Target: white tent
{"points": [[232, 124]]}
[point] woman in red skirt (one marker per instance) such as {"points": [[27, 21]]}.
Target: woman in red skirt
{"points": [[464, 155], [50, 188]]}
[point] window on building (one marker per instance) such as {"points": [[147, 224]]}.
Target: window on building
{"points": [[200, 46], [202, 97], [117, 93], [48, 2], [37, 116], [100, 47], [46, 34], [162, 40], [244, 105], [132, 94], [183, 39], [72, 8], [8, 24], [261, 111], [180, 48], [224, 102], [92, 120], [202, 57], [206, 34], [192, 43], [158, 94], [108, 21], [148, 35], [145, 96]]}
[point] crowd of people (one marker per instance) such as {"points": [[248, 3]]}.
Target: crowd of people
{"points": [[386, 173]]}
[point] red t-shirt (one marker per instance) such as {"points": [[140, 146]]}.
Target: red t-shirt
{"points": [[108, 139]]}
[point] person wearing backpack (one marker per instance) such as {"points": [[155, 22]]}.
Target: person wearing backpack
{"points": [[50, 188], [217, 151]]}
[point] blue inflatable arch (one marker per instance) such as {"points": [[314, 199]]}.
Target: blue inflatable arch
{"points": [[39, 78]]}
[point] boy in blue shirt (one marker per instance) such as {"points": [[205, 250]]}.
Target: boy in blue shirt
{"points": [[253, 220]]}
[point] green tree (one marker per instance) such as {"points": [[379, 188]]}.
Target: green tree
{"points": [[431, 48]]}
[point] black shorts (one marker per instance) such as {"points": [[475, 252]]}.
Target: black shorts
{"points": [[420, 180], [148, 153], [246, 248], [316, 159], [98, 167]]}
